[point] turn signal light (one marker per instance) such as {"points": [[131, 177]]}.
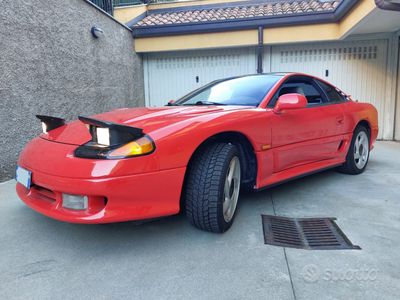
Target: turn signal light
{"points": [[141, 146]]}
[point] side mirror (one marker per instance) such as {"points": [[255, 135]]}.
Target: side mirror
{"points": [[290, 101]]}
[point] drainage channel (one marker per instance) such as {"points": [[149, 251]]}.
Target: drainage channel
{"points": [[305, 233]]}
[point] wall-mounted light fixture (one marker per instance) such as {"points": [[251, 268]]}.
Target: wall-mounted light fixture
{"points": [[97, 32]]}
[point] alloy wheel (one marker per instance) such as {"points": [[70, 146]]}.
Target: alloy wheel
{"points": [[231, 189], [361, 150]]}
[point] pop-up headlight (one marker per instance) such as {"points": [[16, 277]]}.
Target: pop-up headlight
{"points": [[50, 123], [44, 127], [114, 141], [103, 136]]}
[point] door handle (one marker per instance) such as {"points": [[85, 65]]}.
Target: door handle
{"points": [[339, 120]]}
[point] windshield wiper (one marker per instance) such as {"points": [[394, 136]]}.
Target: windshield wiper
{"points": [[208, 103], [172, 104]]}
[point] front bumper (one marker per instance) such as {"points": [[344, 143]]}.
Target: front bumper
{"points": [[111, 199]]}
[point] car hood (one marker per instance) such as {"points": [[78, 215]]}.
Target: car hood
{"points": [[148, 119]]}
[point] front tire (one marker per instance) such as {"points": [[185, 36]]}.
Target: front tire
{"points": [[212, 188], [358, 155]]}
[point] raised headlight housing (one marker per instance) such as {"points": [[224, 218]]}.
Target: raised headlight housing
{"points": [[114, 141], [50, 123]]}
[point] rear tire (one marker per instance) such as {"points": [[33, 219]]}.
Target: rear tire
{"points": [[358, 155], [212, 188]]}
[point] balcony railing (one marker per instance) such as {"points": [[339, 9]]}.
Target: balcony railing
{"points": [[128, 2], [108, 5], [134, 2]]}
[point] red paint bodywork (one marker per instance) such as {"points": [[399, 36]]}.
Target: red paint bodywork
{"points": [[298, 142]]}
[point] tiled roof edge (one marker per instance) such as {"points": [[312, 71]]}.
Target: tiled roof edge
{"points": [[248, 23], [213, 6]]}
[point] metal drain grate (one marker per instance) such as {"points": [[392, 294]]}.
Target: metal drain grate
{"points": [[305, 233]]}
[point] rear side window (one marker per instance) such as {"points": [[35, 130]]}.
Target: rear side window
{"points": [[334, 96]]}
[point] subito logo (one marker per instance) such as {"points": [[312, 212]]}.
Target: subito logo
{"points": [[311, 273]]}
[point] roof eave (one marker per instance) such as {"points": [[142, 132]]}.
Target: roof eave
{"points": [[243, 24]]}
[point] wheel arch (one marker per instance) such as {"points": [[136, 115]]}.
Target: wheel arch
{"points": [[247, 154], [367, 125], [364, 123]]}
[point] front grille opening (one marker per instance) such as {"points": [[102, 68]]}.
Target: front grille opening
{"points": [[43, 193], [305, 233]]}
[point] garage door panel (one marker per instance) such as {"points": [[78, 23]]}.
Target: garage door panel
{"points": [[357, 67], [172, 75]]}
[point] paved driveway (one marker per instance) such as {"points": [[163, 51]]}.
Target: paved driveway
{"points": [[168, 259]]}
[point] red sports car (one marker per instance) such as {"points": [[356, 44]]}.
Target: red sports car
{"points": [[194, 154]]}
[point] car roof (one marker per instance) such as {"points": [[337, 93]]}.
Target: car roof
{"points": [[282, 74]]}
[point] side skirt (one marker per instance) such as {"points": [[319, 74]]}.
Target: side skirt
{"points": [[287, 178]]}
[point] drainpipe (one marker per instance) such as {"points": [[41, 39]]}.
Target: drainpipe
{"points": [[397, 91], [387, 5], [260, 50]]}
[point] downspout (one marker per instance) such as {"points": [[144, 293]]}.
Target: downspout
{"points": [[387, 5], [397, 91], [260, 50]]}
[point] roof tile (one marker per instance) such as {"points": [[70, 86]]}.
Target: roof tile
{"points": [[242, 11]]}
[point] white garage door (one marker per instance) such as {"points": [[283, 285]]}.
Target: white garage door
{"points": [[169, 76], [357, 67]]}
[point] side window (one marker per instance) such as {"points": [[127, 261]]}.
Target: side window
{"points": [[312, 94], [298, 86], [334, 96]]}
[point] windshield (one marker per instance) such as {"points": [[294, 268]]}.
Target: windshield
{"points": [[248, 90]]}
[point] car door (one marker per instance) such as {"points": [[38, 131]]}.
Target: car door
{"points": [[305, 135], [337, 98]]}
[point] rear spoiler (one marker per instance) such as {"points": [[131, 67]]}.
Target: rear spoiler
{"points": [[113, 135]]}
